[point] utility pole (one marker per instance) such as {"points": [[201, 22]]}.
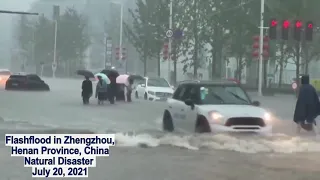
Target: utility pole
{"points": [[261, 49], [18, 12], [56, 14], [170, 43]]}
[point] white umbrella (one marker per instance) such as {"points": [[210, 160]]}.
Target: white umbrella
{"points": [[104, 77]]}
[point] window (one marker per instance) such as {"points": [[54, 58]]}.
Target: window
{"points": [[177, 95], [217, 94], [192, 92], [34, 78], [18, 77], [157, 82], [5, 73]]}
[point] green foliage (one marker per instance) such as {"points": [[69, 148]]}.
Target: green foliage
{"points": [[44, 40], [73, 39], [24, 31], [37, 38], [147, 31], [222, 28]]}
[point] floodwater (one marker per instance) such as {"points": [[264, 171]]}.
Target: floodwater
{"points": [[144, 152]]}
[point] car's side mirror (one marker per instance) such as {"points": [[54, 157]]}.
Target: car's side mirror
{"points": [[190, 103], [256, 103]]}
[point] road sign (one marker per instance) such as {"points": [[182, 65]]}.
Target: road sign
{"points": [[169, 33], [294, 85], [178, 34], [56, 12]]}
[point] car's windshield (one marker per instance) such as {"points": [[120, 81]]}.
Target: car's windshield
{"points": [[157, 82], [223, 95]]}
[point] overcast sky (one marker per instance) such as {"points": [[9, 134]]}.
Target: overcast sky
{"points": [[6, 26]]}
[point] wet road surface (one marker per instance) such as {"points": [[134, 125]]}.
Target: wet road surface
{"points": [[144, 152]]}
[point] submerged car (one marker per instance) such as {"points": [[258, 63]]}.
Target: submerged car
{"points": [[214, 106], [26, 82], [154, 89]]}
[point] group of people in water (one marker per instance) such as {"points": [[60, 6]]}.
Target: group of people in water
{"points": [[106, 92]]}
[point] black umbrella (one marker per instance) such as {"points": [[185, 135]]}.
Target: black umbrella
{"points": [[85, 73], [110, 73]]}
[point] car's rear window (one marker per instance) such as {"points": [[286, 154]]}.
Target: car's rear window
{"points": [[5, 73], [18, 77]]}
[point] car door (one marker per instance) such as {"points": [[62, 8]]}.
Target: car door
{"points": [[182, 109], [175, 105], [191, 114]]}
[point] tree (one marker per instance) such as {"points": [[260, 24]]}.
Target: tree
{"points": [[24, 35], [241, 23], [143, 33], [72, 39], [44, 42]]}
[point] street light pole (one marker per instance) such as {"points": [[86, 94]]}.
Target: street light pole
{"points": [[121, 28], [261, 49], [54, 65], [170, 42]]}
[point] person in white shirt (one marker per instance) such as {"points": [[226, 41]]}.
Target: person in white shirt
{"points": [[128, 90]]}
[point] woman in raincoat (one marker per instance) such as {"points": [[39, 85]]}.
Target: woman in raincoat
{"points": [[101, 90]]}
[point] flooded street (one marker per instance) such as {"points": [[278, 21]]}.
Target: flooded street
{"points": [[144, 152]]}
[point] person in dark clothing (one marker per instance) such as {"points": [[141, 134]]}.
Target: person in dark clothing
{"points": [[307, 106], [86, 90], [112, 90]]}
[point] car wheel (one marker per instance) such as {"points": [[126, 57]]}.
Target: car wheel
{"points": [[202, 125], [145, 96], [137, 96], [167, 124]]}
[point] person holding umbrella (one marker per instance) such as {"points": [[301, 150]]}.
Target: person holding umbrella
{"points": [[86, 90], [101, 90]]}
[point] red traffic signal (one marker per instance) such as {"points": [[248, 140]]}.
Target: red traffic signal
{"points": [[298, 24], [309, 31], [286, 24], [274, 23]]}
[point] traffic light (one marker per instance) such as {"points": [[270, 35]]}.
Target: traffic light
{"points": [[124, 54], [256, 47], [273, 29], [285, 29], [165, 52], [297, 30], [117, 53], [309, 31]]}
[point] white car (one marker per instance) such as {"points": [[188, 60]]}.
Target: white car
{"points": [[204, 107], [154, 89]]}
